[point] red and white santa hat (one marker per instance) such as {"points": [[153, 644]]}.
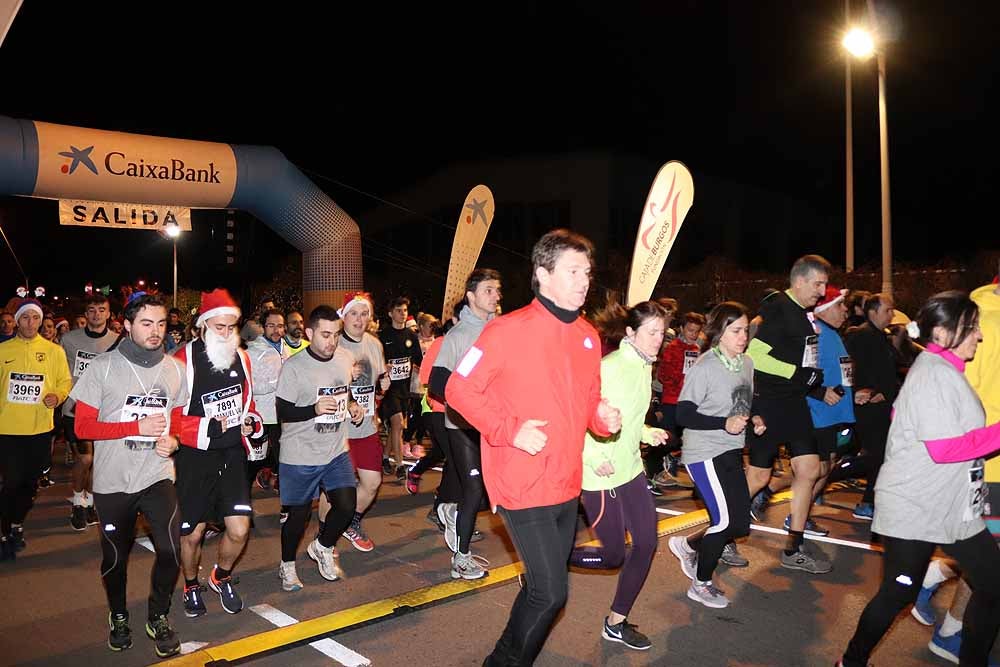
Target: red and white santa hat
{"points": [[215, 303], [833, 296], [354, 299]]}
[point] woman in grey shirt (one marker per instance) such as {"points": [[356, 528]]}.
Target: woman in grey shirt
{"points": [[930, 488]]}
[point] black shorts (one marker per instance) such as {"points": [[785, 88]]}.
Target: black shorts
{"points": [[394, 402], [826, 440], [211, 484], [789, 423]]}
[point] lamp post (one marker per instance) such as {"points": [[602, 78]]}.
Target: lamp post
{"points": [[849, 150], [861, 45], [173, 230]]}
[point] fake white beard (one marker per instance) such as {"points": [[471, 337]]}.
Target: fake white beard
{"points": [[221, 351]]}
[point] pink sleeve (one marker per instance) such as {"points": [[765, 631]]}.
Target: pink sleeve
{"points": [[972, 445]]}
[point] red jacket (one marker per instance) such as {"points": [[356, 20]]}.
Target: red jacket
{"points": [[192, 430], [529, 365], [671, 369]]}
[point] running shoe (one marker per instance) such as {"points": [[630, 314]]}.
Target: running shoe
{"points": [[412, 483], [194, 603], [263, 479], [357, 537], [803, 559], [386, 466], [16, 538], [685, 554], [625, 633], [230, 599], [707, 594], [758, 506], [120, 636], [290, 581], [865, 511], [948, 647], [468, 566], [45, 481], [922, 609], [448, 513], [7, 551], [476, 536], [653, 489], [164, 638], [91, 516], [811, 527], [732, 557], [326, 559], [78, 518]]}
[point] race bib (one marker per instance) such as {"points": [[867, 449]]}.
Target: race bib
{"points": [[25, 388], [977, 492], [258, 449], [339, 393], [690, 356], [364, 395], [82, 361], [846, 372], [810, 353], [399, 369], [225, 404], [138, 406]]}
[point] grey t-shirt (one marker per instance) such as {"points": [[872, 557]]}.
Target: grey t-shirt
{"points": [[122, 391], [303, 379], [81, 349], [456, 343], [916, 498], [369, 364], [718, 392]]}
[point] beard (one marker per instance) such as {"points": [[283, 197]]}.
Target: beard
{"points": [[221, 351]]}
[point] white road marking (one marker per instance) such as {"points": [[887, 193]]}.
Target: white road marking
{"points": [[145, 543], [327, 647], [191, 647]]}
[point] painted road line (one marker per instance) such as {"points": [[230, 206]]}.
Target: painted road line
{"points": [[820, 538], [327, 647], [145, 543], [191, 647]]}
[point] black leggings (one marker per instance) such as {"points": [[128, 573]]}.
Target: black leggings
{"points": [[117, 513], [610, 513], [22, 460], [904, 568], [469, 468], [436, 453], [872, 430], [543, 537], [293, 527], [723, 487]]}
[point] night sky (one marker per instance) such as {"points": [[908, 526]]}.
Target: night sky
{"points": [[750, 92]]}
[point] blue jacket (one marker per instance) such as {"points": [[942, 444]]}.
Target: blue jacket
{"points": [[831, 349]]}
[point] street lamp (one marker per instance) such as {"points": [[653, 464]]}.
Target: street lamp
{"points": [[173, 230], [860, 44]]}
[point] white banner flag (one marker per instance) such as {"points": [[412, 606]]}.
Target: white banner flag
{"points": [[111, 215]]}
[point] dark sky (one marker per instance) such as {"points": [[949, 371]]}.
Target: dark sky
{"points": [[752, 92]]}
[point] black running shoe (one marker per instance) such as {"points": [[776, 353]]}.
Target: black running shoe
{"points": [[231, 600], [194, 604], [626, 633], [78, 519], [164, 638], [120, 637], [386, 466], [758, 505], [91, 514], [17, 538], [7, 551]]}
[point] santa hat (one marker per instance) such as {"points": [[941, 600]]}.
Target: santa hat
{"points": [[26, 305], [833, 296], [352, 299], [215, 303]]}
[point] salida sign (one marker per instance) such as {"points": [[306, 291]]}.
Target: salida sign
{"points": [[122, 216]]}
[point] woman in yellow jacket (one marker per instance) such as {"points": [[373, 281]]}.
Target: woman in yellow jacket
{"points": [[34, 379], [615, 496]]}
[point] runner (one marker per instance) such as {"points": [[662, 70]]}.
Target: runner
{"points": [[123, 404], [313, 403], [267, 353], [930, 488], [531, 385], [482, 293], [675, 361], [403, 357], [615, 497], [368, 373], [294, 328], [8, 326], [715, 408], [785, 359], [215, 428], [34, 381], [81, 347]]}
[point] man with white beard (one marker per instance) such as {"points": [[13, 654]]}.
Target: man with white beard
{"points": [[215, 428]]}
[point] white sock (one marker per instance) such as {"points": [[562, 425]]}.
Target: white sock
{"points": [[950, 626], [88, 499], [937, 572], [78, 499]]}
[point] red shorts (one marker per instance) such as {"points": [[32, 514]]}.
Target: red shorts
{"points": [[366, 453]]}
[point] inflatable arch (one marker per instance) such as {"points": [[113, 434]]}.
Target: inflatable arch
{"points": [[62, 162]]}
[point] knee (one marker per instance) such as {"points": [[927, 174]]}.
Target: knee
{"points": [[193, 538], [84, 461], [550, 596], [807, 470], [238, 528], [614, 554]]}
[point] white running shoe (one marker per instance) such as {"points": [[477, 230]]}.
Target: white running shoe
{"points": [[685, 554], [289, 577], [326, 559]]}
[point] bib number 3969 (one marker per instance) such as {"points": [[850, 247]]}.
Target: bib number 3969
{"points": [[25, 388]]}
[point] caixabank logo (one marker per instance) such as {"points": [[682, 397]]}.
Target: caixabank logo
{"points": [[117, 163]]}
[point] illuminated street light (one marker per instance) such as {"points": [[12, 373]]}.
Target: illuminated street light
{"points": [[859, 43]]}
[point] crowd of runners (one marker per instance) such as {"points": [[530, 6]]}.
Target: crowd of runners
{"points": [[533, 413]]}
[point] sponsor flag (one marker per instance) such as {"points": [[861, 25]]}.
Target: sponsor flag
{"points": [[473, 224], [667, 204]]}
